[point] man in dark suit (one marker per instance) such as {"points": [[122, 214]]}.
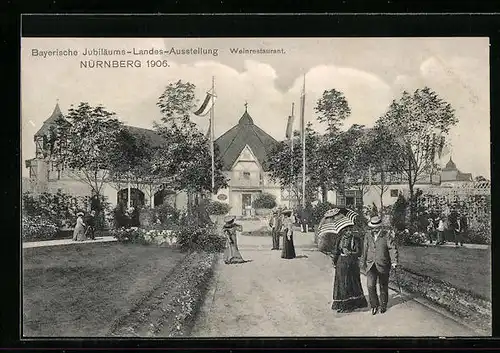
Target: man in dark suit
{"points": [[89, 221], [275, 223], [379, 254]]}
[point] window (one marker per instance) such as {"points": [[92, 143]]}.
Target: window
{"points": [[246, 175], [394, 192]]}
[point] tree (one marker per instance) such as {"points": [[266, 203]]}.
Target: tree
{"points": [[177, 102], [185, 158], [383, 154], [332, 108], [126, 158], [419, 123], [331, 160], [280, 160], [89, 140]]}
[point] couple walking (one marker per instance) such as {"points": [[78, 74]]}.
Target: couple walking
{"points": [[84, 228], [281, 224], [378, 253]]}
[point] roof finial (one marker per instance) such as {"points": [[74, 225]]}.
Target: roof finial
{"points": [[246, 105]]}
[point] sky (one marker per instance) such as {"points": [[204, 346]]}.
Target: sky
{"points": [[371, 72]]}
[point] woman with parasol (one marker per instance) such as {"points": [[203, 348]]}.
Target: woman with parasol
{"points": [[347, 290], [231, 253]]}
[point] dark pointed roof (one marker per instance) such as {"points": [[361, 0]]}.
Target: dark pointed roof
{"points": [[51, 121], [450, 165], [150, 135], [154, 138], [233, 141]]}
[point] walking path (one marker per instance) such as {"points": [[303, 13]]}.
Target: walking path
{"points": [[37, 244], [270, 296]]}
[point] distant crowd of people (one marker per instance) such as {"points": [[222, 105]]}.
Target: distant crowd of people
{"points": [[456, 222]]}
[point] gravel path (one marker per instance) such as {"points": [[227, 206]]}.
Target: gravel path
{"points": [[270, 296]]}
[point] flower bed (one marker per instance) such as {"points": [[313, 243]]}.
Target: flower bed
{"points": [[171, 309], [468, 306], [35, 228], [147, 237]]}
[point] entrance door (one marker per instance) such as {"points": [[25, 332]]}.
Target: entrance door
{"points": [[246, 203], [350, 201]]}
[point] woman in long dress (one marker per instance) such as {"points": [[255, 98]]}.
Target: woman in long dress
{"points": [[288, 251], [231, 253], [347, 290], [79, 231]]}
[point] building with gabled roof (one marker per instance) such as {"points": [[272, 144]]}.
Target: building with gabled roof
{"points": [[451, 175], [44, 176], [243, 134], [244, 150]]}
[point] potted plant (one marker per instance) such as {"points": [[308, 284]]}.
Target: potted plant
{"points": [[263, 204]]}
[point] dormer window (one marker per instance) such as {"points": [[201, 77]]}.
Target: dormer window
{"points": [[246, 175]]}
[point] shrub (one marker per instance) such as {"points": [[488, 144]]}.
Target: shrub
{"points": [[411, 238], [36, 228], [398, 216], [119, 216], [480, 234], [146, 237], [326, 243], [61, 208], [319, 211], [167, 214], [264, 200], [217, 208], [192, 237]]}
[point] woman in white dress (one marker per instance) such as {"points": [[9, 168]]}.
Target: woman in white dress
{"points": [[79, 231]]}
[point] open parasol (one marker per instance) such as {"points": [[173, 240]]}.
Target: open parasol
{"points": [[335, 226]]}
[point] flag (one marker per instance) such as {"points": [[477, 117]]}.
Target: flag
{"points": [[289, 127], [207, 104]]}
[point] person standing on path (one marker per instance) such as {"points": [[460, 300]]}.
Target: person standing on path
{"points": [[288, 251], [440, 231], [275, 224], [463, 227], [347, 290], [379, 254], [231, 253], [79, 231]]}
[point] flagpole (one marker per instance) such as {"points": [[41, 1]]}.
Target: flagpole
{"points": [[291, 164], [303, 129], [212, 134]]}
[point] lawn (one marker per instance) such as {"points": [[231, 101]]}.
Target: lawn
{"points": [[80, 290], [464, 268]]}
